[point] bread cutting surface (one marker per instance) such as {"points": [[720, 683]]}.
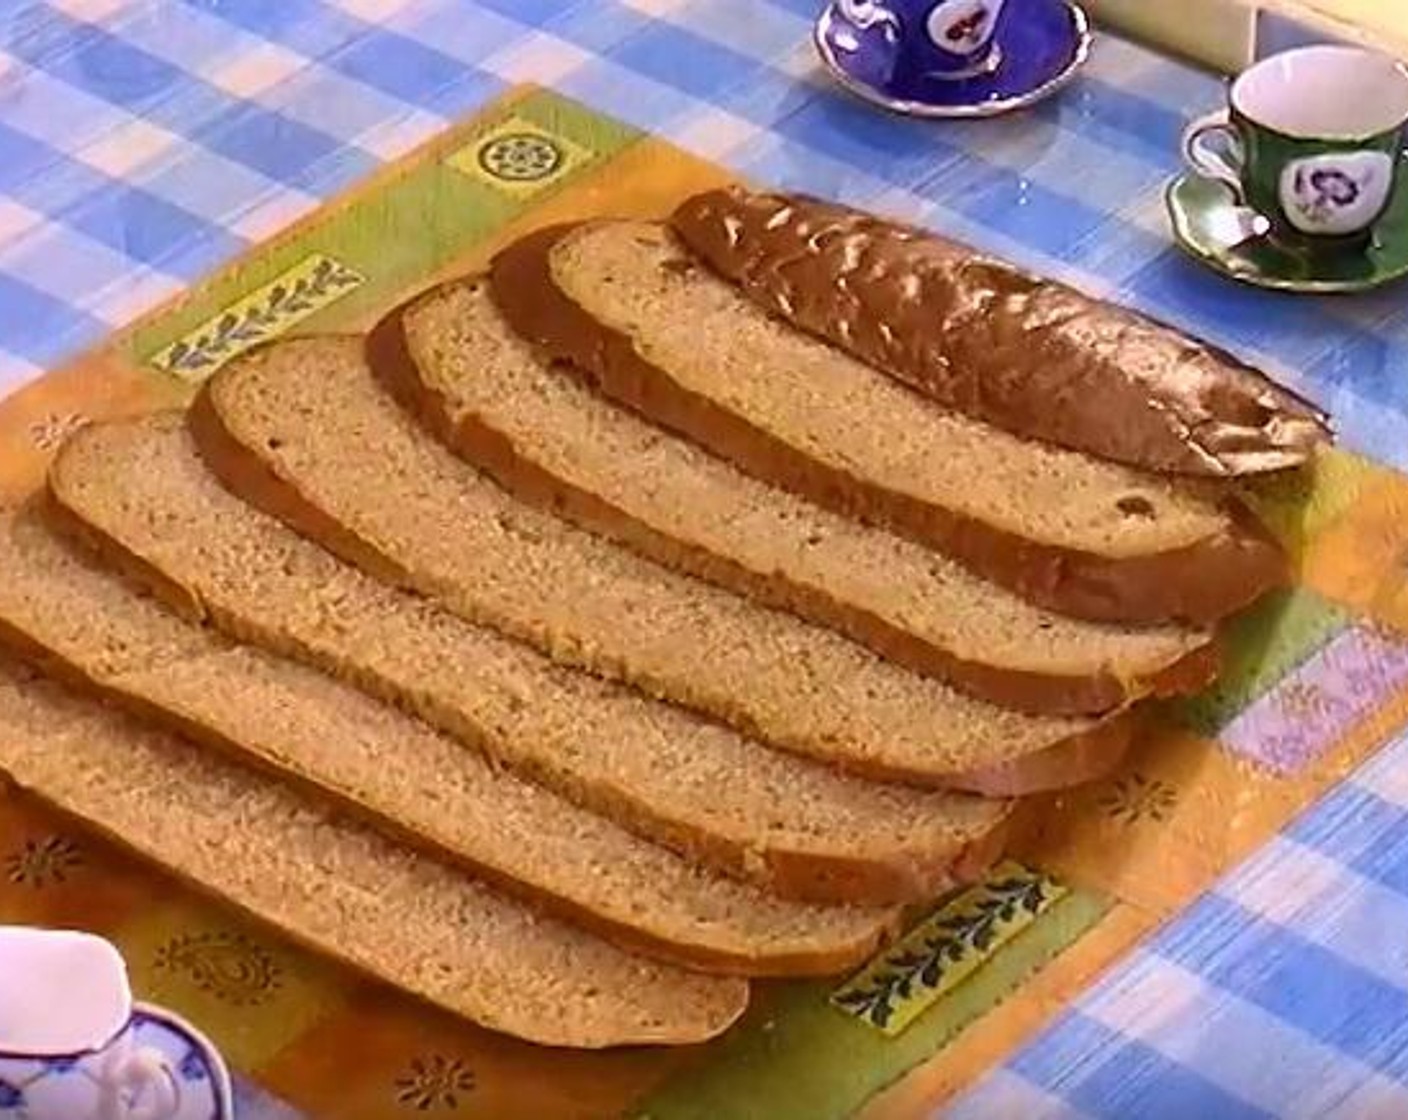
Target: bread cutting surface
{"points": [[651, 639]]}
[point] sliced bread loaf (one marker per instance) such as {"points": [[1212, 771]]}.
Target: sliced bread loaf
{"points": [[303, 430], [343, 890], [548, 438], [1031, 356], [137, 489], [76, 619], [1073, 533]]}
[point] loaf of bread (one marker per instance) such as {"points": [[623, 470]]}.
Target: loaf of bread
{"points": [[85, 624], [1076, 534], [344, 890], [1030, 356], [550, 440], [138, 491]]}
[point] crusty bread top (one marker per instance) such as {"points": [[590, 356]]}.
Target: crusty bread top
{"points": [[401, 774], [635, 277], [824, 426], [1031, 356], [140, 489], [344, 890], [997, 645]]}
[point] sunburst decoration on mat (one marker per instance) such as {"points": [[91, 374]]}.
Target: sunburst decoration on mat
{"points": [[520, 157], [50, 431], [435, 1082], [1136, 798], [228, 966], [43, 862]]}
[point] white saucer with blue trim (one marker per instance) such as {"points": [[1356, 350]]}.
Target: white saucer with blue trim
{"points": [[63, 1088]]}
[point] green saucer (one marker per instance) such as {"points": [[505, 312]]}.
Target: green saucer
{"points": [[1209, 224]]}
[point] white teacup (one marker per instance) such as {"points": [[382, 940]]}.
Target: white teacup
{"points": [[67, 1049]]}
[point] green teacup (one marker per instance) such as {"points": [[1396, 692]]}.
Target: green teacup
{"points": [[1311, 141]]}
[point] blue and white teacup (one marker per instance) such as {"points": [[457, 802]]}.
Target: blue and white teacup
{"points": [[943, 39], [69, 1049]]}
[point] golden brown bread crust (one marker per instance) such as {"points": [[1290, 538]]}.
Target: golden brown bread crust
{"points": [[794, 875], [1032, 356], [490, 450], [1097, 752], [735, 991], [537, 310], [1197, 584], [695, 956]]}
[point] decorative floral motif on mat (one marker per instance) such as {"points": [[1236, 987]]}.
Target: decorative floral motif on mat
{"points": [[1135, 798], [948, 946], [518, 157], [434, 1083], [42, 862], [53, 429], [228, 966], [314, 283]]}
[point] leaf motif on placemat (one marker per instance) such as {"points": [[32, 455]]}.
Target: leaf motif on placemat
{"points": [[938, 954], [309, 286]]}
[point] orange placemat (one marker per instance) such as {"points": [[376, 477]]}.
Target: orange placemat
{"points": [[1316, 680]]}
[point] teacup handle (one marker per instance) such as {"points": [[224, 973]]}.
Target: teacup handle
{"points": [[144, 1074], [1223, 163]]}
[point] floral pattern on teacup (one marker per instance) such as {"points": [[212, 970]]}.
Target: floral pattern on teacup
{"points": [[865, 14], [1336, 194], [95, 1086], [963, 27]]}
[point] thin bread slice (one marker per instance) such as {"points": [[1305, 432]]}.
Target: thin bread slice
{"points": [[542, 434], [1070, 532], [1031, 356], [138, 491], [83, 623], [303, 430], [343, 890]]}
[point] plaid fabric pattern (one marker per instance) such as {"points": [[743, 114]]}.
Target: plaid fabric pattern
{"points": [[1282, 993], [145, 142]]}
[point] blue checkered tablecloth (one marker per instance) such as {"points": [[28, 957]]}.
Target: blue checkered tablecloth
{"points": [[145, 142]]}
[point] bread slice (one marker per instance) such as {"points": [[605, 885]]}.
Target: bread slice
{"points": [[138, 490], [1031, 356], [342, 889], [303, 430], [550, 440], [1070, 532], [79, 621]]}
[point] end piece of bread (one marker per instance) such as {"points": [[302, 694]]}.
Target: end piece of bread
{"points": [[139, 492], [1031, 356], [1076, 534], [344, 890], [85, 624], [545, 436]]}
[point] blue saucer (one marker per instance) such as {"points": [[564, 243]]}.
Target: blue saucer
{"points": [[1042, 45]]}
